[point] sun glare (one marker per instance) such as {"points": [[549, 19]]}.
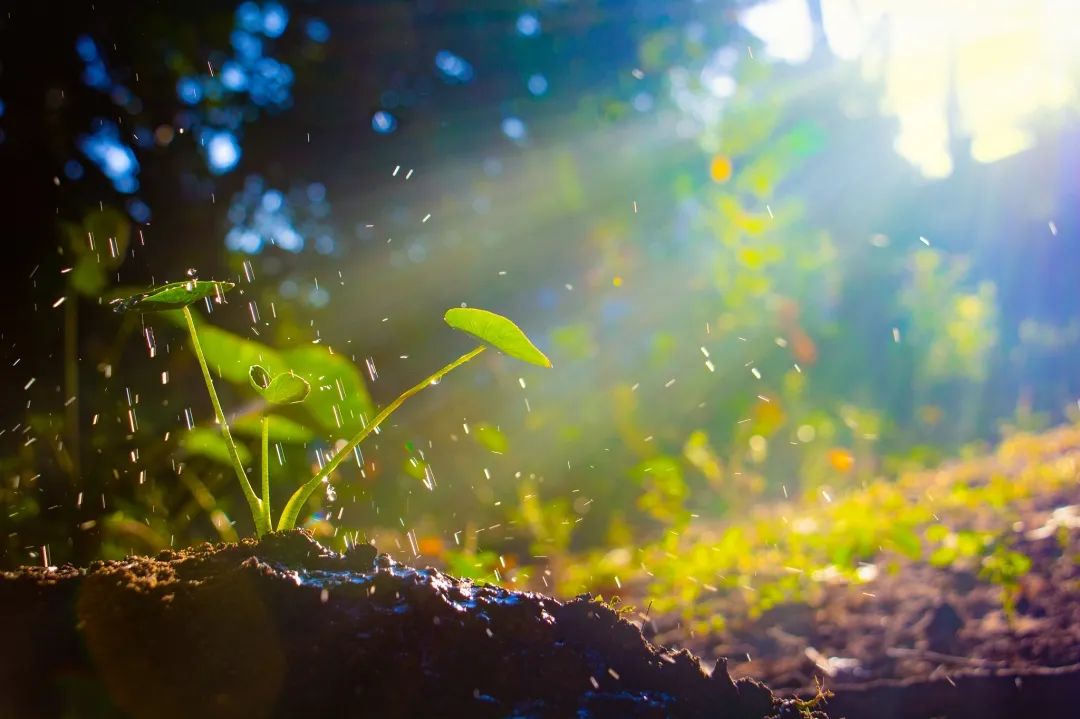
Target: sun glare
{"points": [[988, 67]]}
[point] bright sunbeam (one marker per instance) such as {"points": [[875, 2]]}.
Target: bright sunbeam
{"points": [[982, 71]]}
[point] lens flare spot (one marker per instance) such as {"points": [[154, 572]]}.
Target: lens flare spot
{"points": [[720, 169]]}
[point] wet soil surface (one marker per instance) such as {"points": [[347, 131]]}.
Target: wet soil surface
{"points": [[285, 628], [920, 642]]}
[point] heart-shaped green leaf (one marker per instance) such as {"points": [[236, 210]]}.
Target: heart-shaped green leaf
{"points": [[173, 296], [497, 331], [285, 388]]}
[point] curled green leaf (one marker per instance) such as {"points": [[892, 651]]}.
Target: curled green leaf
{"points": [[260, 378], [497, 331], [285, 388], [173, 296]]}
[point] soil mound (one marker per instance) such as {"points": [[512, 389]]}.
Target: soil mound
{"points": [[283, 627]]}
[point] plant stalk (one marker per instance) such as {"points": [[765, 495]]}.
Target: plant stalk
{"points": [[301, 495], [257, 513], [266, 472]]}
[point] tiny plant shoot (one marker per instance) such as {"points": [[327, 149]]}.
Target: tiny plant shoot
{"points": [[289, 388]]}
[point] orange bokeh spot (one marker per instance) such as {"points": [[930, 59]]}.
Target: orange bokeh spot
{"points": [[841, 459], [720, 168], [803, 348], [431, 546]]}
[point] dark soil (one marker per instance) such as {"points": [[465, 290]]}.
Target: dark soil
{"points": [[285, 628], [921, 642]]}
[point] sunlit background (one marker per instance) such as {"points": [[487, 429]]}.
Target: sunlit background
{"points": [[979, 70], [771, 248]]}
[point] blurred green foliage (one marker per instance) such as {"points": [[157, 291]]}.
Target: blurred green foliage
{"points": [[960, 518]]}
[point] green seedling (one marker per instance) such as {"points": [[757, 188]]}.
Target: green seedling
{"points": [[289, 388], [285, 388]]}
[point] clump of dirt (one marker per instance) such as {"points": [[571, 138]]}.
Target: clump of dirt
{"points": [[283, 627]]}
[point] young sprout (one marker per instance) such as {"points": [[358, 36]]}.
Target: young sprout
{"points": [[289, 388], [285, 388]]}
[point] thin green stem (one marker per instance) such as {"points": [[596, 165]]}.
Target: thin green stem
{"points": [[300, 496], [261, 527], [266, 472]]}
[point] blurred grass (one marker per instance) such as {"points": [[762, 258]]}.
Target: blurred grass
{"points": [[961, 514]]}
